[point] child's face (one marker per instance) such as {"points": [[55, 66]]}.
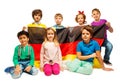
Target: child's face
{"points": [[96, 15], [23, 40], [86, 36], [58, 20], [37, 17], [80, 19], [50, 35]]}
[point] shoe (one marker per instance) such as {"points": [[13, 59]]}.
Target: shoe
{"points": [[8, 69], [107, 62]]}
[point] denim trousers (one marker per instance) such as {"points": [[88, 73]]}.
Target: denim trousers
{"points": [[108, 49], [23, 65]]}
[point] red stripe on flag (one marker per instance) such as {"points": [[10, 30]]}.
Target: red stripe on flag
{"points": [[36, 48]]}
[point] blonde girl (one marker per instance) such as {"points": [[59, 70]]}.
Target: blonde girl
{"points": [[50, 56]]}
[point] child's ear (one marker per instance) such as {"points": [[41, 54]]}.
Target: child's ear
{"points": [[91, 36], [91, 15], [28, 39]]}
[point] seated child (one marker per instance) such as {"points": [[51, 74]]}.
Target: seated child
{"points": [[86, 51], [23, 58]]}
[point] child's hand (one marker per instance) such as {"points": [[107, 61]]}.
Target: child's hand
{"points": [[28, 68], [24, 28], [61, 68], [41, 69], [17, 70], [109, 25], [107, 69], [93, 55]]}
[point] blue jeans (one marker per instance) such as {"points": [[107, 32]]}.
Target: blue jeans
{"points": [[108, 49], [23, 65]]}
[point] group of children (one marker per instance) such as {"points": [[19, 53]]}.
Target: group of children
{"points": [[51, 56]]}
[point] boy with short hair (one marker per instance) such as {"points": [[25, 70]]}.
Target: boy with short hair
{"points": [[23, 58]]}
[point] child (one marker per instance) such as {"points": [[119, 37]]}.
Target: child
{"points": [[86, 51], [108, 45], [37, 16], [23, 58], [50, 56], [80, 18], [58, 20]]}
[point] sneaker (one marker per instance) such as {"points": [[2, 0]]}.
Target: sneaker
{"points": [[107, 62], [8, 69]]}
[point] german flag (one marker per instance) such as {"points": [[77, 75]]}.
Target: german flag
{"points": [[68, 38]]}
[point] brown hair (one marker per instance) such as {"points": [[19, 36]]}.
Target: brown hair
{"points": [[95, 9], [84, 16], [88, 28], [58, 14], [37, 11]]}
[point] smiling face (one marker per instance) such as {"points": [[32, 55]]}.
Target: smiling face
{"points": [[23, 40], [50, 35], [80, 19], [86, 36], [96, 15]]}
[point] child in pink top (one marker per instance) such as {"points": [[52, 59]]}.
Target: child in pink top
{"points": [[50, 56]]}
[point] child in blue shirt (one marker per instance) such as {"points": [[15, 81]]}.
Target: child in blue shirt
{"points": [[86, 51]]}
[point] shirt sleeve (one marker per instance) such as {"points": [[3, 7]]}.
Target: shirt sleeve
{"points": [[79, 47], [15, 56], [97, 47], [31, 56], [60, 56]]}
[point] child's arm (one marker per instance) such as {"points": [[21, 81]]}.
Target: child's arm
{"points": [[101, 62], [110, 27], [17, 69], [41, 57], [79, 56], [60, 59]]}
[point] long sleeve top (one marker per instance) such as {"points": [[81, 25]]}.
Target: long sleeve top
{"points": [[24, 53], [49, 51]]}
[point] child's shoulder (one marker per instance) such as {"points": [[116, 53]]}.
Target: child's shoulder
{"points": [[103, 20], [80, 43], [37, 25], [16, 47], [94, 41]]}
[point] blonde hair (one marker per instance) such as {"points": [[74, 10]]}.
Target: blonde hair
{"points": [[55, 39]]}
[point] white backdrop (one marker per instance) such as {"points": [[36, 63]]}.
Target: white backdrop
{"points": [[14, 14]]}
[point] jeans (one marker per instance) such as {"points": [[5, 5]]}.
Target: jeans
{"points": [[23, 65], [108, 49]]}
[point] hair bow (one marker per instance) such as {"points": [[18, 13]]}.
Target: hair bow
{"points": [[81, 12]]}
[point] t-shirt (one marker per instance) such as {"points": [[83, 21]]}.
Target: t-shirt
{"points": [[58, 26], [88, 49], [100, 23]]}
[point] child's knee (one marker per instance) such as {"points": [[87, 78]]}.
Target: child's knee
{"points": [[56, 69]]}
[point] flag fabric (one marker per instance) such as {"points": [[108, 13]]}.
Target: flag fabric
{"points": [[67, 37]]}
